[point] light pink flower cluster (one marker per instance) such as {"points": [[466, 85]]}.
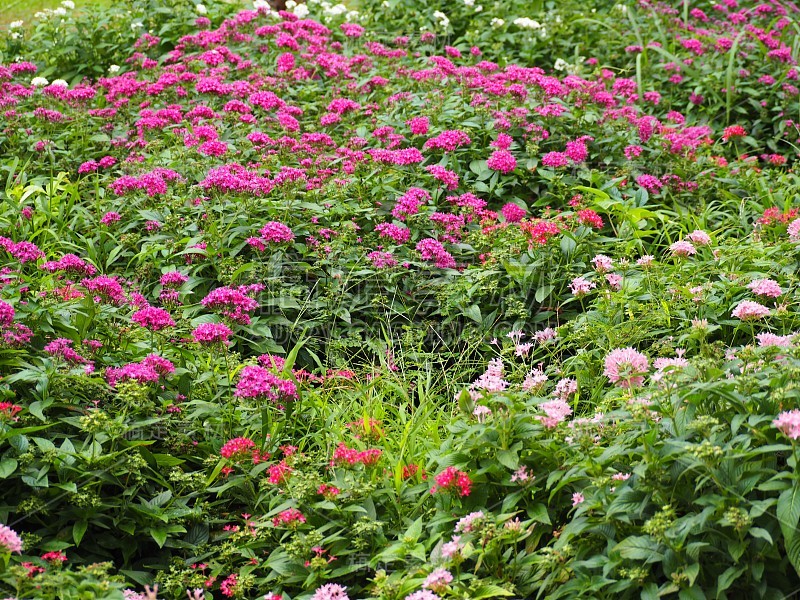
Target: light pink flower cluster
{"points": [[788, 423], [747, 310], [492, 379], [556, 411], [382, 260], [699, 237], [626, 367], [470, 522], [10, 540], [682, 248], [765, 287], [580, 286], [770, 339], [438, 580], [535, 380], [331, 591]]}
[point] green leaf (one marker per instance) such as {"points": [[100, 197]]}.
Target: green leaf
{"points": [[727, 578], [508, 458], [159, 534], [7, 467], [78, 530], [489, 590], [788, 513], [639, 548]]}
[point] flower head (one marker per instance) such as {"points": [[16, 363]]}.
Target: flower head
{"points": [[626, 367]]}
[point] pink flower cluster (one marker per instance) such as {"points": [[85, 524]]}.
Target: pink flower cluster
{"points": [[452, 480], [626, 367], [431, 250], [344, 456], [149, 370], [232, 303], [258, 382]]}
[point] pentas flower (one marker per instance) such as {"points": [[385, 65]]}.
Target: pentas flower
{"points": [[747, 310], [8, 411], [291, 518], [577, 498], [238, 449], [765, 287], [211, 333], [502, 161], [150, 370], [734, 131], [682, 248], [427, 594], [55, 558], [279, 473], [448, 178], [398, 234], [770, 339], [173, 279], [649, 182], [794, 230], [382, 260], [418, 125], [535, 380], [602, 263], [470, 522], [492, 379], [699, 237], [430, 249], [344, 456], [452, 480], [438, 580], [276, 232], [565, 388], [71, 264], [110, 217], [556, 411], [258, 382], [626, 367], [233, 303], [63, 348], [513, 213], [409, 203], [555, 160], [10, 540], [152, 318], [580, 286], [228, 585], [331, 591], [788, 423], [448, 141]]}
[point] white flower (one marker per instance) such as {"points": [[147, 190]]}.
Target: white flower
{"points": [[136, 25], [201, 9], [60, 11], [560, 64], [39, 15], [15, 35], [15, 24], [113, 69], [497, 22], [527, 23], [60, 83], [352, 15], [441, 17], [290, 4], [39, 82], [479, 8], [301, 10], [68, 4], [469, 2], [333, 11], [621, 8], [259, 4]]}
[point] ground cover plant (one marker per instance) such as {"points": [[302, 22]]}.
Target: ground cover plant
{"points": [[400, 301]]}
